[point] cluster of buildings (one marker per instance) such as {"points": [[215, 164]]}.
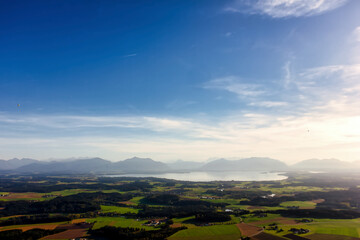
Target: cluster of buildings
{"points": [[299, 230], [155, 222]]}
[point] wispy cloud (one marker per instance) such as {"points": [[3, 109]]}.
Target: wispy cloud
{"points": [[301, 90], [288, 76], [179, 104], [235, 85], [228, 34], [284, 8], [334, 86], [268, 104], [130, 55], [339, 74], [265, 95], [354, 40], [74, 122], [325, 100]]}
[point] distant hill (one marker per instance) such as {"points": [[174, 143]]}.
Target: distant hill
{"points": [[95, 165], [76, 166], [185, 165], [323, 164], [15, 163], [245, 164], [140, 165]]}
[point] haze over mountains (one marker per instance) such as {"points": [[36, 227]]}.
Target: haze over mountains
{"points": [[324, 164], [245, 164], [147, 165], [15, 163]]}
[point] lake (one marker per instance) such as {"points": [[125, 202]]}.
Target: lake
{"points": [[212, 176]]}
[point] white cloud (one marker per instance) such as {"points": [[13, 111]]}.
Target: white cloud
{"points": [[285, 8], [235, 85]]}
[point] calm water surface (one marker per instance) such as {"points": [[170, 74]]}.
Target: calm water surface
{"points": [[212, 176]]}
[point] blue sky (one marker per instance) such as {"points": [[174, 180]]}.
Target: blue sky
{"points": [[188, 80]]}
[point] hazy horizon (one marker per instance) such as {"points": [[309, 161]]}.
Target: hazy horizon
{"points": [[173, 161], [180, 79]]}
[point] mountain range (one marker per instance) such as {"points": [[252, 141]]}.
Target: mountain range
{"points": [[95, 165], [147, 165]]}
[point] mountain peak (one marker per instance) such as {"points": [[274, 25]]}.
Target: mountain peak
{"points": [[138, 159]]}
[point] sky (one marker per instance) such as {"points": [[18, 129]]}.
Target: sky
{"points": [[190, 80]]}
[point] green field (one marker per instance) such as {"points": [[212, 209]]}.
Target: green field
{"points": [[349, 228], [223, 232], [293, 189], [229, 201], [136, 200], [118, 222], [30, 225], [340, 228], [249, 218], [253, 208], [121, 210], [70, 192], [180, 220], [300, 204]]}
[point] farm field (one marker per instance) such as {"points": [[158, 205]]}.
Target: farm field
{"points": [[134, 201], [348, 228], [68, 234], [32, 226], [318, 236], [67, 192], [300, 204], [227, 232], [251, 218], [249, 229], [10, 196], [107, 209], [100, 222]]}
